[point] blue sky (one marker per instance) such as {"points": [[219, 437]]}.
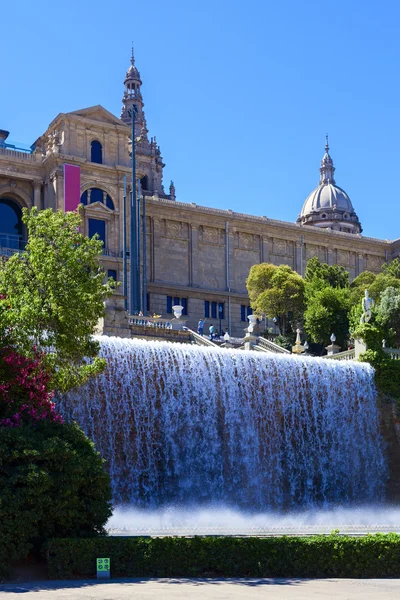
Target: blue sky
{"points": [[239, 94]]}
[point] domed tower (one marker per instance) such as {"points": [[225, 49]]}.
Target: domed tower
{"points": [[329, 206], [149, 162], [133, 97]]}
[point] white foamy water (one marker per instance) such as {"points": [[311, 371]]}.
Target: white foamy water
{"points": [[188, 426], [217, 520]]}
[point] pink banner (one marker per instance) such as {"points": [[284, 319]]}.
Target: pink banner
{"points": [[72, 187]]}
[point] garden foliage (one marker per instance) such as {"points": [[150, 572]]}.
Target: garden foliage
{"points": [[52, 483], [52, 295], [318, 556]]}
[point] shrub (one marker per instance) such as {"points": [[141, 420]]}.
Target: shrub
{"points": [[52, 483], [24, 390], [318, 556]]}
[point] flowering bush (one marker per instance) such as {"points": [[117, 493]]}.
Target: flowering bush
{"points": [[24, 390]]}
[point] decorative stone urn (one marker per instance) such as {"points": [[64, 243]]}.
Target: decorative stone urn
{"points": [[176, 323]]}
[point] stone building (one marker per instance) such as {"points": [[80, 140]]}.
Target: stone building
{"points": [[197, 256]]}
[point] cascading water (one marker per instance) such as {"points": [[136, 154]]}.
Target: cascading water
{"points": [[183, 425]]}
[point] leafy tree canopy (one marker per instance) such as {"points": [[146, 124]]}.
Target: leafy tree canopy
{"points": [[52, 296], [392, 269], [318, 275], [388, 313], [327, 313], [277, 292]]}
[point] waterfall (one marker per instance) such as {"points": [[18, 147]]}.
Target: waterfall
{"points": [[186, 425]]}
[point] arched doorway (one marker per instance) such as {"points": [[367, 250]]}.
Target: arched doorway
{"points": [[11, 226]]}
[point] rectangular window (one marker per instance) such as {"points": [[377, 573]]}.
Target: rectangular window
{"points": [[175, 301], [213, 310], [184, 303], [207, 309], [148, 302], [221, 310], [245, 311], [99, 227], [112, 273]]}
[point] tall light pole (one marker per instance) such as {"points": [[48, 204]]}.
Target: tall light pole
{"points": [[134, 296], [220, 318]]}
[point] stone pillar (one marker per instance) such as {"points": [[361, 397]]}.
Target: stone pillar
{"points": [[359, 264], [265, 249], [194, 255], [298, 258], [231, 260], [156, 237], [37, 196], [331, 256]]}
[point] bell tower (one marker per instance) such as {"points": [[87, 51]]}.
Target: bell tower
{"points": [[133, 97], [149, 163]]}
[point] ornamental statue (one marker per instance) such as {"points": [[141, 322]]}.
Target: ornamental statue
{"points": [[367, 304]]}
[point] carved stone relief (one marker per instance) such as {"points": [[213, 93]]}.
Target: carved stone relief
{"points": [[312, 251], [279, 247], [210, 235], [343, 257], [246, 241]]}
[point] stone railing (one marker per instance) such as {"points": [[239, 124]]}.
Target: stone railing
{"points": [[345, 355], [394, 353], [150, 322], [20, 154], [199, 340], [271, 346]]}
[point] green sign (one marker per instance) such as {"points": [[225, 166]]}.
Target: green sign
{"points": [[103, 568]]}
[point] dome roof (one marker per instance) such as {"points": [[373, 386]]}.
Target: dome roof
{"points": [[133, 73], [328, 205], [327, 197]]}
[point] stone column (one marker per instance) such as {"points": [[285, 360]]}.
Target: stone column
{"points": [[155, 254], [231, 260], [298, 258], [265, 249], [37, 196], [331, 256], [194, 255], [359, 264]]}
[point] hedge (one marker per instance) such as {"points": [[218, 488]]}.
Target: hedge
{"points": [[319, 556]]}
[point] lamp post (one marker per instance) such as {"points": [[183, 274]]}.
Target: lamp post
{"points": [[220, 318]]}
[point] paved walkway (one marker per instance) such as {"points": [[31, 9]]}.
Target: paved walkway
{"points": [[204, 589]]}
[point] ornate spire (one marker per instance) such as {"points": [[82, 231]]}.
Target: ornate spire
{"points": [[133, 96], [327, 169], [172, 192]]}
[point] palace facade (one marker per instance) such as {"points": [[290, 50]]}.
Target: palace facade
{"points": [[195, 256]]}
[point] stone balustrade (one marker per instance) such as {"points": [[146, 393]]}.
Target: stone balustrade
{"points": [[345, 355]]}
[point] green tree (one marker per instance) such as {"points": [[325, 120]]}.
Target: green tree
{"points": [[361, 283], [277, 292], [388, 314], [326, 313], [392, 269], [380, 284], [319, 275], [52, 484], [52, 296]]}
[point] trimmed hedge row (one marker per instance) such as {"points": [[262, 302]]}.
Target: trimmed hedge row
{"points": [[319, 556]]}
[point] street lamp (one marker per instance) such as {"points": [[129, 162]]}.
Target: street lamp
{"points": [[220, 318]]}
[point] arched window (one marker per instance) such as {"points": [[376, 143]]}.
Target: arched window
{"points": [[97, 195], [11, 227], [144, 184], [96, 152]]}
